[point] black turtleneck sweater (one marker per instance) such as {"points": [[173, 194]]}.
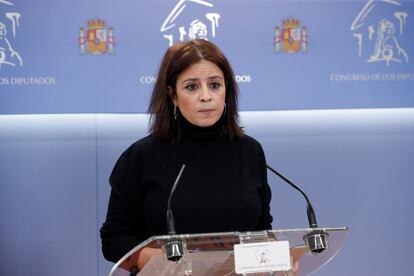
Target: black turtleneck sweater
{"points": [[223, 188]]}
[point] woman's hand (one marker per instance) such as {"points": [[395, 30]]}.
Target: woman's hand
{"points": [[146, 254]]}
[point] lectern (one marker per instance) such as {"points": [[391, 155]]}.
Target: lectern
{"points": [[213, 254]]}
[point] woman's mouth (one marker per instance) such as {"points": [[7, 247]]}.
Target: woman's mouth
{"points": [[206, 110]]}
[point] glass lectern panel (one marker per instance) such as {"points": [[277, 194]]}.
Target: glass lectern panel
{"points": [[212, 253]]}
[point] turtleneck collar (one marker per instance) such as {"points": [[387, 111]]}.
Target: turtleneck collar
{"points": [[192, 133]]}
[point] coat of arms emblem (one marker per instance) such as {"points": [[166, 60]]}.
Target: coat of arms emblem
{"points": [[292, 38], [96, 40]]}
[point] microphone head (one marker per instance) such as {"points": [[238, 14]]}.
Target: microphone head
{"points": [[316, 241], [174, 250]]}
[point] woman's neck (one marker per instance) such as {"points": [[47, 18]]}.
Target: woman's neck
{"points": [[192, 133]]}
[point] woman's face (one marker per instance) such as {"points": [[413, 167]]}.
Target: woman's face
{"points": [[200, 93]]}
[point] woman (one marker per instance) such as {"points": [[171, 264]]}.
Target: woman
{"points": [[194, 121]]}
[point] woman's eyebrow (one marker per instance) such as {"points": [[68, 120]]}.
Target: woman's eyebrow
{"points": [[195, 79], [215, 77]]}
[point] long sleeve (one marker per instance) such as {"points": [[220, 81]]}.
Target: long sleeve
{"points": [[121, 230], [265, 193]]}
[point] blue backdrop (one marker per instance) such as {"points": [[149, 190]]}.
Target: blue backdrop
{"points": [[286, 54]]}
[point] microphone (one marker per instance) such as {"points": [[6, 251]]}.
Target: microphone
{"points": [[316, 240], [174, 248]]}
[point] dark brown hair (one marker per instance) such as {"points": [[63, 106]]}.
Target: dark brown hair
{"points": [[177, 58]]}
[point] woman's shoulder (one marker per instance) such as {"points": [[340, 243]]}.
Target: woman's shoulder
{"points": [[144, 142], [148, 146], [248, 141], [143, 145], [252, 148], [137, 151]]}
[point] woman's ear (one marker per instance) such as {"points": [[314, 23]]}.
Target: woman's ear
{"points": [[173, 95]]}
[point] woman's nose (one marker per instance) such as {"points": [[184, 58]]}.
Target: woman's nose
{"points": [[205, 94]]}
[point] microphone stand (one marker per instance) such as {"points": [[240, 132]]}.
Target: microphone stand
{"points": [[316, 240], [174, 248]]}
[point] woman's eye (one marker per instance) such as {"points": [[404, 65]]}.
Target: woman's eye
{"points": [[191, 87], [215, 85]]}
